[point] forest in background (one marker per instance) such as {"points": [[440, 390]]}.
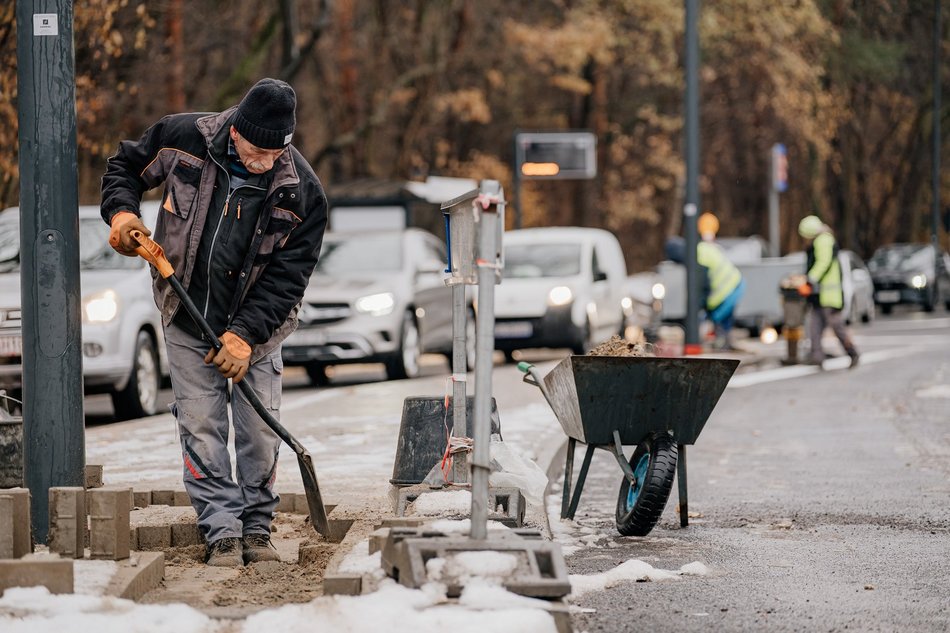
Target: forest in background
{"points": [[403, 90]]}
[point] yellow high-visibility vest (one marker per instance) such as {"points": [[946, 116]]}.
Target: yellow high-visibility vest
{"points": [[724, 277]]}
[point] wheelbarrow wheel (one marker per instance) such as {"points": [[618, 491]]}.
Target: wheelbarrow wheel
{"points": [[639, 507]]}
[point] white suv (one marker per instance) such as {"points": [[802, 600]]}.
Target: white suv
{"points": [[123, 352]]}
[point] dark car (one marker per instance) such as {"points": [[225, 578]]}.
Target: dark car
{"points": [[376, 296], [910, 273]]}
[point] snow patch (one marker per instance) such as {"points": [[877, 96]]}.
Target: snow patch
{"points": [[359, 561], [629, 570], [442, 503], [35, 610], [91, 577], [397, 609], [695, 568]]}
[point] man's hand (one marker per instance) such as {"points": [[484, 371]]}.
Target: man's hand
{"points": [[234, 359], [120, 238]]}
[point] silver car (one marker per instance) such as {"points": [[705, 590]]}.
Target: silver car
{"points": [[123, 353], [376, 297]]}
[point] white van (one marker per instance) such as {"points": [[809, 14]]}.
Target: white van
{"points": [[561, 287]]}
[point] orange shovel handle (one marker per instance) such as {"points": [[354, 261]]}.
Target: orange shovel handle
{"points": [[153, 253]]}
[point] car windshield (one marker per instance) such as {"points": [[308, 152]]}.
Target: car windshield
{"points": [[94, 250], [528, 261], [904, 258], [357, 253]]}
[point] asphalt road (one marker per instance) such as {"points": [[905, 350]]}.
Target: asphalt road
{"points": [[822, 503]]}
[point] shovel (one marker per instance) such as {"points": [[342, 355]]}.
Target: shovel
{"points": [[153, 253]]}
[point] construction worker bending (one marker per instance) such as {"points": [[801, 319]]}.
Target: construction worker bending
{"points": [[824, 289]]}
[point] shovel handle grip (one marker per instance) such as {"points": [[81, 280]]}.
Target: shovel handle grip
{"points": [[152, 252]]}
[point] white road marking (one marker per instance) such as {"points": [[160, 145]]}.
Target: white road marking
{"points": [[797, 371], [306, 401]]}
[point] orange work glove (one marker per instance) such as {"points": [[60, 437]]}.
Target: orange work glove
{"points": [[805, 289], [234, 358], [123, 223]]}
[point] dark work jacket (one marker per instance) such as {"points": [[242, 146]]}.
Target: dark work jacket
{"points": [[266, 275]]}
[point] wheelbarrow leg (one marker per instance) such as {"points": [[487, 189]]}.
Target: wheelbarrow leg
{"points": [[622, 460], [681, 478], [568, 476], [581, 477]]}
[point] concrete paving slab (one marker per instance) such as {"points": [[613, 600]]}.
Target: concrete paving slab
{"points": [[137, 575], [54, 573]]}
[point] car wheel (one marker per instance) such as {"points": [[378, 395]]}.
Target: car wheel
{"points": [[584, 344], [886, 308], [140, 396], [317, 374], [405, 363], [930, 300]]}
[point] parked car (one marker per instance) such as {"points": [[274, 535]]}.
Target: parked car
{"points": [[123, 353], [376, 297], [561, 287], [910, 273], [858, 288]]}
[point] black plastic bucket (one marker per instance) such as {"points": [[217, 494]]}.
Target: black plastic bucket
{"points": [[422, 436]]}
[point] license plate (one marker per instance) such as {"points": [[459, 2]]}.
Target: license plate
{"points": [[11, 346], [514, 329], [888, 296], [309, 337]]}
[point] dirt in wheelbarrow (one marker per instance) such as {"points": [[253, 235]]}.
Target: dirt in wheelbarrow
{"points": [[616, 346]]}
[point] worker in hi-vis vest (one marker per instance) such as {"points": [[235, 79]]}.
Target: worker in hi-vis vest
{"points": [[824, 289], [723, 285]]}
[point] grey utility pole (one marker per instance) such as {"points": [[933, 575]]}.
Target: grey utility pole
{"points": [[692, 175], [53, 432], [935, 165]]}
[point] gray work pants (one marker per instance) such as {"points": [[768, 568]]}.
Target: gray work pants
{"points": [[225, 508], [822, 317]]}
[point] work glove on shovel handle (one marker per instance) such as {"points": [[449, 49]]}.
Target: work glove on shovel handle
{"points": [[233, 359], [123, 224]]}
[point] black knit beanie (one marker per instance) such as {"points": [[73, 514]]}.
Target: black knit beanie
{"points": [[265, 117]]}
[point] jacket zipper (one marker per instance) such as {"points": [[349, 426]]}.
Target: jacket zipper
{"points": [[217, 229]]}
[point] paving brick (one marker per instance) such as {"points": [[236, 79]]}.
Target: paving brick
{"points": [[141, 498], [6, 527], [287, 503], [67, 521], [22, 535], [93, 476], [343, 585], [53, 573], [163, 497], [138, 575], [109, 510], [182, 498], [153, 537], [308, 554], [186, 534]]}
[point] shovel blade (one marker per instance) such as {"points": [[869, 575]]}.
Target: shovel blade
{"points": [[318, 512]]}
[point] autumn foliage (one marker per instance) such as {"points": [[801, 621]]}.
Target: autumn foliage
{"points": [[401, 90]]}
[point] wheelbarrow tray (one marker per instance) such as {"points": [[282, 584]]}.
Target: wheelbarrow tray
{"points": [[593, 396]]}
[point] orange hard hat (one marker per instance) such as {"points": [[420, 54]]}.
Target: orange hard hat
{"points": [[707, 223]]}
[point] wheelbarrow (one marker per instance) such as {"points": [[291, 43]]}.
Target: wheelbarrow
{"points": [[658, 404]]}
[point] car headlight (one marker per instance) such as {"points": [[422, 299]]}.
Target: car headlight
{"points": [[560, 295], [918, 281], [100, 307], [658, 291], [376, 305]]}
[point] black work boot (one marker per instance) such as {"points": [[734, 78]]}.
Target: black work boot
{"points": [[855, 357], [225, 552], [258, 548]]}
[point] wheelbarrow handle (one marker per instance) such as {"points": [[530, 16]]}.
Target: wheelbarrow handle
{"points": [[533, 377]]}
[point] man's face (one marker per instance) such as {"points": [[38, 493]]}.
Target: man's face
{"points": [[256, 160]]}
